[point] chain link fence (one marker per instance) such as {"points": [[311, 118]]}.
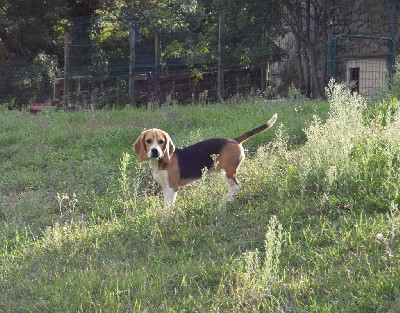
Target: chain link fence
{"points": [[113, 62], [363, 63], [141, 68], [22, 82]]}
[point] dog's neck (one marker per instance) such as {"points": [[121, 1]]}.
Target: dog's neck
{"points": [[157, 165]]}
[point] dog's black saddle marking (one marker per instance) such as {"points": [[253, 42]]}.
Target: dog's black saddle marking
{"points": [[193, 159]]}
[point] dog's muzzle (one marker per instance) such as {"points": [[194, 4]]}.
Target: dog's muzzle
{"points": [[155, 153]]}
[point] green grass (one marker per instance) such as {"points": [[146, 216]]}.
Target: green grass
{"points": [[315, 228]]}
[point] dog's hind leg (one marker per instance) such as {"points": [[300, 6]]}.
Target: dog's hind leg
{"points": [[233, 188], [169, 196]]}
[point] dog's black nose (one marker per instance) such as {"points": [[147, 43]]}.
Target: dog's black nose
{"points": [[154, 153]]}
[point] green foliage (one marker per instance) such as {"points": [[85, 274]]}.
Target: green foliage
{"points": [[28, 27], [23, 83]]}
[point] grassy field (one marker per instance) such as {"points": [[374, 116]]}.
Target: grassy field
{"points": [[315, 228]]}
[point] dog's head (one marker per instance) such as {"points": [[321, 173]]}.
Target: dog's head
{"points": [[154, 143]]}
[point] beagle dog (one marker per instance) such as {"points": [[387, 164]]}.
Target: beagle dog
{"points": [[174, 167]]}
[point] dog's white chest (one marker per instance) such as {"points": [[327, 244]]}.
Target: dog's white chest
{"points": [[160, 176]]}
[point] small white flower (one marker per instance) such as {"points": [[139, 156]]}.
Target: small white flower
{"points": [[379, 236]]}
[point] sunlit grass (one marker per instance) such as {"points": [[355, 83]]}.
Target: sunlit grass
{"points": [[314, 229]]}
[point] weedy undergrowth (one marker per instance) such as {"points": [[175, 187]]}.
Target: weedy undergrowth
{"points": [[349, 157], [250, 280]]}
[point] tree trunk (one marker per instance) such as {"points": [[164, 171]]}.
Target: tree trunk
{"points": [[307, 75], [316, 83], [310, 37], [300, 69]]}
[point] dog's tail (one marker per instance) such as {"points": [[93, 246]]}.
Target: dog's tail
{"points": [[257, 130]]}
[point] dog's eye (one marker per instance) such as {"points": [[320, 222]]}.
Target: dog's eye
{"points": [[148, 141], [161, 142]]}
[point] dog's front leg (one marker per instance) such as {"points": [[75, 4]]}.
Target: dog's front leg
{"points": [[169, 196]]}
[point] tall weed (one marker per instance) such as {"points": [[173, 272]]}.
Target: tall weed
{"points": [[249, 282], [325, 160]]}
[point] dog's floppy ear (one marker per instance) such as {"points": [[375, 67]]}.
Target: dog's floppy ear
{"points": [[169, 148], [139, 148]]}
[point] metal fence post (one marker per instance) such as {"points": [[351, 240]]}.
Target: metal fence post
{"points": [[66, 68], [392, 48], [220, 83], [392, 42], [157, 68], [132, 64]]}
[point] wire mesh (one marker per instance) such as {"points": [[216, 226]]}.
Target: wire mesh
{"points": [[169, 65], [363, 63], [217, 56]]}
